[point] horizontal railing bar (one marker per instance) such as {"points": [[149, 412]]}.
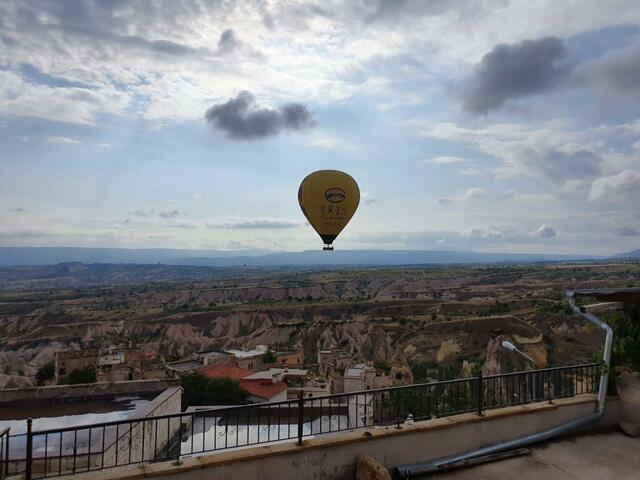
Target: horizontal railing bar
{"points": [[293, 404], [552, 369]]}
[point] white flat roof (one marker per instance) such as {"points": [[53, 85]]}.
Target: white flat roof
{"points": [[268, 374], [259, 350], [111, 359]]}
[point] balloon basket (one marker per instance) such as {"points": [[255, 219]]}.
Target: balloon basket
{"points": [[328, 248]]}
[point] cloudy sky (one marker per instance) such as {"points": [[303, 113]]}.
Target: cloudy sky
{"points": [[491, 125]]}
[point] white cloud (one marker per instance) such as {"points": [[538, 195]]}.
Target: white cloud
{"points": [[471, 171], [63, 140], [446, 160], [552, 151], [481, 232], [546, 231], [474, 193], [255, 224], [616, 187]]}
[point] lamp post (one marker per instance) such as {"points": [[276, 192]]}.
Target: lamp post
{"points": [[510, 346]]}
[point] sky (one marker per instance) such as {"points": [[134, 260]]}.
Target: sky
{"points": [[486, 125]]}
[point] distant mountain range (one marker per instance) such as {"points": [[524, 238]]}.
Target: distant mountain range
{"points": [[11, 256], [632, 254]]}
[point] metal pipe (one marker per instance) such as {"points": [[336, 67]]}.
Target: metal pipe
{"points": [[441, 464], [606, 354], [422, 468]]}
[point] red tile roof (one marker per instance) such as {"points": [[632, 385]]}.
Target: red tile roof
{"points": [[263, 388], [226, 371]]}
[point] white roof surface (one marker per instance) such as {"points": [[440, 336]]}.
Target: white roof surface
{"points": [[268, 374], [259, 350]]}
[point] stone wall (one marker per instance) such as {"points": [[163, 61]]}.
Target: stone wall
{"points": [[629, 392], [56, 393]]}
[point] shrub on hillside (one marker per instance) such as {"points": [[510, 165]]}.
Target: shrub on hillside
{"points": [[82, 375], [45, 372], [198, 389]]}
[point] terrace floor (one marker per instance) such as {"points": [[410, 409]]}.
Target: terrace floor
{"points": [[592, 456]]}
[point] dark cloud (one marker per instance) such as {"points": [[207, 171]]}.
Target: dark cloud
{"points": [[184, 226], [141, 213], [241, 118], [165, 47], [393, 11], [171, 214], [227, 41], [515, 70], [22, 235], [546, 231], [255, 224], [18, 210], [626, 231], [617, 73], [105, 23], [356, 13]]}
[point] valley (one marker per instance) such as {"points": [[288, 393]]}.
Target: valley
{"points": [[438, 321]]}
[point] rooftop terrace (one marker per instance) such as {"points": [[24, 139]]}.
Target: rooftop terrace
{"points": [[593, 456]]}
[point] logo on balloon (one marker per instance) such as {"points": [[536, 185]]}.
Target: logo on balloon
{"points": [[335, 195]]}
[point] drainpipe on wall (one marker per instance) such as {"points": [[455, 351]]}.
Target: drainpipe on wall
{"points": [[441, 464]]}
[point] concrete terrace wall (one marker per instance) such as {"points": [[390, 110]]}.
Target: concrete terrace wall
{"points": [[147, 440], [629, 391], [56, 393], [333, 456], [114, 445]]}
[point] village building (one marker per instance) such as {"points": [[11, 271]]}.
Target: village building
{"points": [[259, 389], [333, 362], [113, 365], [129, 364], [298, 381], [68, 361], [362, 376]]}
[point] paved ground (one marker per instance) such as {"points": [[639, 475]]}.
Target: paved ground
{"points": [[606, 455]]}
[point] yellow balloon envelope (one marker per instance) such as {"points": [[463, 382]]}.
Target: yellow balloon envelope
{"points": [[328, 198]]}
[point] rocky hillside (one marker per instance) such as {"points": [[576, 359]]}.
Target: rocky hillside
{"points": [[424, 318]]}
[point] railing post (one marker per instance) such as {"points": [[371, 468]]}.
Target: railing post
{"points": [[300, 416], [4, 468], [480, 394], [29, 455]]}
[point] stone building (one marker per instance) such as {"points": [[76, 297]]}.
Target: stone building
{"points": [[333, 361], [68, 361], [129, 364]]}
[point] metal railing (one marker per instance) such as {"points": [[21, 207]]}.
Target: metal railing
{"points": [[4, 453], [63, 451]]}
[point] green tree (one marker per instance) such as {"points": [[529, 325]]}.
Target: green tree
{"points": [[45, 372], [382, 365], [626, 343], [198, 389], [82, 375], [269, 357]]}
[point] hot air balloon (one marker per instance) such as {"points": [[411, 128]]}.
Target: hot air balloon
{"points": [[328, 198]]}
